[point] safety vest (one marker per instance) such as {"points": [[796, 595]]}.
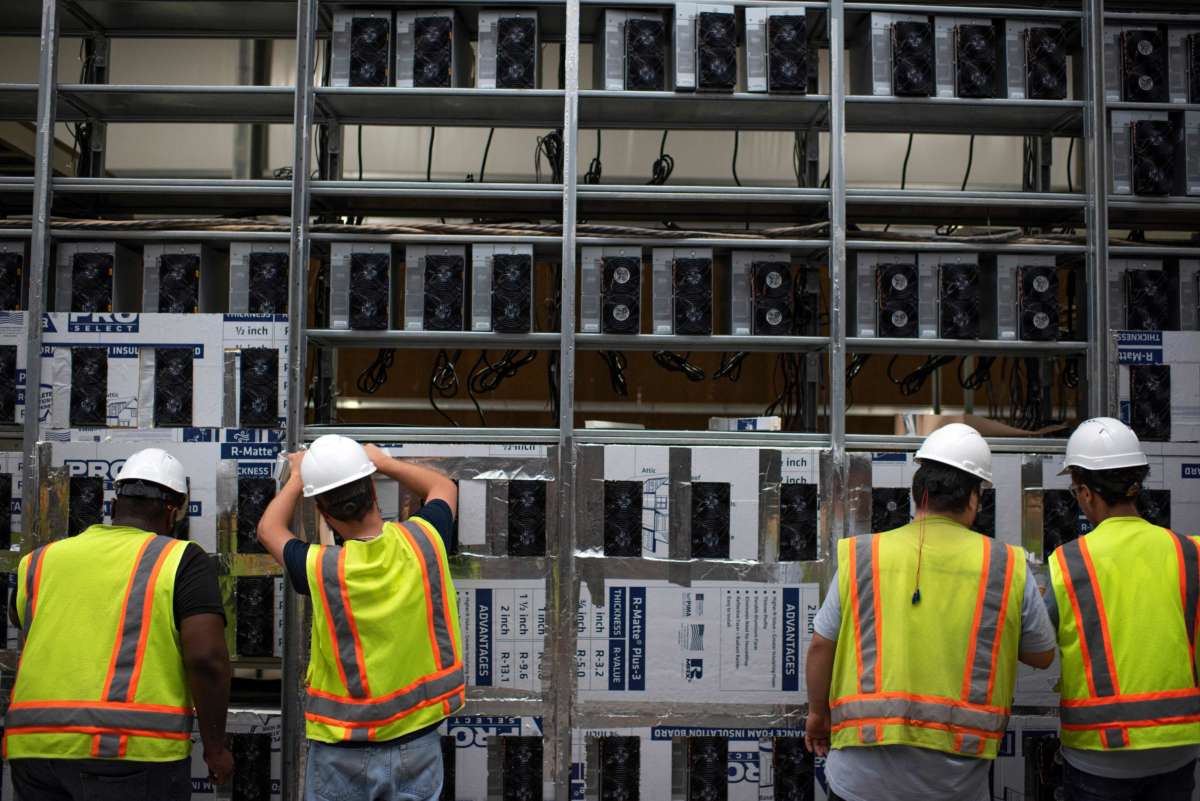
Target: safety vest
{"points": [[101, 674], [939, 673], [386, 648], [1128, 595]]}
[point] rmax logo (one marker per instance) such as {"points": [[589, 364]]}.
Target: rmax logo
{"points": [[743, 767], [94, 468], [90, 322], [1190, 470], [475, 735]]}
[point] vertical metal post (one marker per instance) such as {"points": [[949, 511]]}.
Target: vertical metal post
{"points": [[39, 261], [837, 267], [1095, 145], [295, 611], [564, 591], [97, 50], [250, 144]]}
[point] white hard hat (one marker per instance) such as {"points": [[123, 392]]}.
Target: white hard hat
{"points": [[155, 466], [1103, 443], [958, 445], [331, 461]]}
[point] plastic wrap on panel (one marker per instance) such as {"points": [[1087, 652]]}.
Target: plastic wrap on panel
{"points": [[504, 635], [12, 482], [81, 479], [858, 494], [479, 754], [735, 634], [255, 738], [748, 762], [1158, 374]]}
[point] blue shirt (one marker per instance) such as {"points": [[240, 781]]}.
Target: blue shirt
{"points": [[909, 773]]}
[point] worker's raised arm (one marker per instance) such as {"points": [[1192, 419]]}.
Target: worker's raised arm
{"points": [[426, 482], [274, 527]]}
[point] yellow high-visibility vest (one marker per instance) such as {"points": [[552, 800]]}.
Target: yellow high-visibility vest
{"points": [[101, 674], [938, 673], [1128, 594], [386, 647]]}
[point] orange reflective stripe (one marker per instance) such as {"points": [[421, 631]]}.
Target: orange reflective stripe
{"points": [[147, 608], [878, 613], [319, 718], [444, 579], [1073, 596], [858, 638], [1102, 617], [99, 731], [116, 651], [359, 657], [412, 542], [333, 636], [973, 640], [925, 699], [1008, 575], [924, 724]]}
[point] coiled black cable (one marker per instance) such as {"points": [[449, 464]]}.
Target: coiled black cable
{"points": [[487, 376], [550, 147], [617, 363], [664, 165], [731, 367], [595, 169], [376, 373], [912, 383], [443, 380], [678, 363]]}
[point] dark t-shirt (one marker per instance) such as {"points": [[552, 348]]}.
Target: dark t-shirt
{"points": [[295, 553], [196, 588]]}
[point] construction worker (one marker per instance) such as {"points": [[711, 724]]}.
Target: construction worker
{"points": [[386, 665], [124, 635], [1124, 600], [914, 652]]}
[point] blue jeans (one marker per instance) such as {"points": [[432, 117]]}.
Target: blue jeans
{"points": [[1174, 786], [411, 771]]}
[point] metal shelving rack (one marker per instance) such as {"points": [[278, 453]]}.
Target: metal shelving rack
{"points": [[305, 106]]}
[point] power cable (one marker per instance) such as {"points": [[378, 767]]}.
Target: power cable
{"points": [[486, 149], [678, 363], [912, 383], [903, 172], [737, 135], [731, 367], [375, 375], [616, 362], [595, 169], [443, 380], [664, 165]]}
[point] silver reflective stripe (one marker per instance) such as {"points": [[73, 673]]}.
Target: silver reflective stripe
{"points": [[340, 617], [35, 559], [869, 733], [921, 711], [112, 717], [1114, 738], [437, 594], [864, 572], [385, 709], [1089, 625], [131, 622], [109, 746], [971, 744], [990, 623], [1117, 712], [1191, 594], [359, 735]]}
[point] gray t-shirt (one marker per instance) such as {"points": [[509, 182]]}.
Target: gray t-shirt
{"points": [[909, 773], [1123, 764]]}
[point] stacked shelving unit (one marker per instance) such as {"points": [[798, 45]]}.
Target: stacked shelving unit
{"points": [[309, 108]]}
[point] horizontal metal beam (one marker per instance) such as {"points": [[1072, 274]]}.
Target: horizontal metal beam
{"points": [[881, 442], [471, 436], [745, 439], [717, 343], [961, 347]]}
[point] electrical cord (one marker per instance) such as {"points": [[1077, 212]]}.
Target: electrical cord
{"points": [[737, 136], [912, 383], [595, 169], [981, 373], [550, 147], [903, 172], [799, 152], [789, 403], [487, 376], [376, 373], [664, 165], [486, 149], [678, 363], [731, 367], [443, 380], [360, 153], [429, 157], [617, 363], [1070, 171]]}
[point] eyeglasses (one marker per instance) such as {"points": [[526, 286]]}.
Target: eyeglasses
{"points": [[1075, 489]]}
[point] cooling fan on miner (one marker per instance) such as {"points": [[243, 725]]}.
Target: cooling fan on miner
{"points": [[797, 522], [1154, 157], [645, 55], [621, 288], [370, 291], [890, 508], [268, 282], [787, 53], [958, 301], [623, 518], [716, 52], [89, 388], [693, 296], [258, 405], [1147, 300], [1144, 66], [432, 54], [85, 503], [1060, 519], [976, 64], [1045, 63], [516, 53], [92, 282], [12, 267], [1150, 401], [773, 298], [512, 293], [444, 292], [710, 520], [254, 610], [896, 288], [173, 387], [912, 59], [370, 51], [179, 283]]}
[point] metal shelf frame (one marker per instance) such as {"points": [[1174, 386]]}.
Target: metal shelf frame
{"points": [[305, 107]]}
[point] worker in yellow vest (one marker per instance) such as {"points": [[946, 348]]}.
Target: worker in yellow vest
{"points": [[124, 636], [914, 651], [387, 664], [1126, 602]]}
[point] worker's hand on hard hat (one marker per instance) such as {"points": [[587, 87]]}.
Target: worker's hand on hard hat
{"points": [[294, 460], [220, 765], [376, 454], [816, 732]]}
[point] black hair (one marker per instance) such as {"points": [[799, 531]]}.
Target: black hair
{"points": [[132, 507], [349, 502], [947, 488], [1113, 486]]}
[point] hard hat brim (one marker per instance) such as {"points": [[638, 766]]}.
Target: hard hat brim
{"points": [[1099, 463], [983, 475], [311, 491]]}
